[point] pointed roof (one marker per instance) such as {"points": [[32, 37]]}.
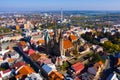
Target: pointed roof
{"points": [[47, 36]]}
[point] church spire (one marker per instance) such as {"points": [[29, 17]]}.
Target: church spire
{"points": [[61, 15], [47, 39], [61, 43]]}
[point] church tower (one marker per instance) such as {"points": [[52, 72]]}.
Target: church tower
{"points": [[61, 16], [61, 44], [47, 40]]}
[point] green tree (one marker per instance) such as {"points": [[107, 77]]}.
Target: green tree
{"points": [[65, 66], [4, 30], [116, 47], [108, 44]]}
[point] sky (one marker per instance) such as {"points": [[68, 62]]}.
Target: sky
{"points": [[58, 4]]}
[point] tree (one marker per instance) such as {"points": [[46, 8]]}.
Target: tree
{"points": [[65, 66], [116, 47], [4, 30], [96, 57], [108, 44], [110, 47]]}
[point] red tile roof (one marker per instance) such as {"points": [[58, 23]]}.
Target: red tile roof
{"points": [[41, 41], [55, 75], [35, 57], [67, 44], [73, 37], [38, 56], [25, 70], [6, 71], [78, 67], [19, 64], [31, 51], [19, 76], [97, 65], [10, 60], [76, 78], [22, 43], [45, 60]]}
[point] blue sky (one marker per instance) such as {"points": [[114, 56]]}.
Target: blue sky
{"points": [[57, 4]]}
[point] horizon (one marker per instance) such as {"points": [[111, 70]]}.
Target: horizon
{"points": [[52, 5], [57, 10]]}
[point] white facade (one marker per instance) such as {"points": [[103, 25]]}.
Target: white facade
{"points": [[112, 77], [34, 76]]}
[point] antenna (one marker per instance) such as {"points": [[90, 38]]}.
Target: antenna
{"points": [[61, 15]]}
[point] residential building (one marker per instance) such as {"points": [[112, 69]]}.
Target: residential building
{"points": [[48, 68], [103, 40], [34, 76], [24, 70], [76, 69], [55, 75]]}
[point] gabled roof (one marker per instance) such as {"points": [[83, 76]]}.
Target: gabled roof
{"points": [[19, 76], [22, 43], [6, 71], [39, 56], [19, 64], [45, 61], [31, 51], [67, 44], [24, 70], [92, 70], [97, 65], [49, 68], [10, 60], [55, 75], [73, 37], [78, 67], [100, 62], [35, 57], [41, 41]]}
